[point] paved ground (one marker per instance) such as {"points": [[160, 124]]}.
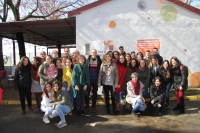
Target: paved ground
{"points": [[11, 121]]}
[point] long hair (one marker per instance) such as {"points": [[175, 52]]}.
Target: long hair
{"points": [[176, 59], [105, 56], [45, 92], [71, 62], [136, 63], [113, 54], [83, 56], [150, 64], [125, 62], [59, 88], [20, 65], [38, 60]]}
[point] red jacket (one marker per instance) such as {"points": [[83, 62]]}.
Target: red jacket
{"points": [[34, 73], [121, 74]]}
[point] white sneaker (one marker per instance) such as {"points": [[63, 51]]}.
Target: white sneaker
{"points": [[46, 120], [61, 124], [122, 102], [51, 116]]}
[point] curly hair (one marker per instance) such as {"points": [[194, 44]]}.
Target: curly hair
{"points": [[105, 56], [20, 65], [59, 88]]}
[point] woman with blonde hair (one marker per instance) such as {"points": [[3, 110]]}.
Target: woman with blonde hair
{"points": [[154, 69]]}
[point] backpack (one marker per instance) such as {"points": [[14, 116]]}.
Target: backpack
{"points": [[181, 68]]}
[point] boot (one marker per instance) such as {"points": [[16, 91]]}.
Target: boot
{"points": [[182, 109], [134, 113], [177, 107], [117, 107], [127, 106]]}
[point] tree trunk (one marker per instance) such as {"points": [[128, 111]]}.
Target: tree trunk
{"points": [[21, 45], [1, 55]]}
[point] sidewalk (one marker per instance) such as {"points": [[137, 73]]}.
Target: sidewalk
{"points": [[11, 96]]}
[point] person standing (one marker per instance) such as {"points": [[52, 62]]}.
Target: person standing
{"points": [[121, 50], [108, 77], [80, 82], [159, 58], [75, 55], [54, 56], [94, 62], [67, 52], [35, 86], [180, 82], [147, 57], [22, 81]]}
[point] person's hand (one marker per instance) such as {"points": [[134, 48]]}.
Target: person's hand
{"points": [[77, 88], [52, 65], [152, 101], [143, 99], [50, 78], [159, 105], [181, 88], [116, 86], [53, 107], [68, 89], [85, 87], [63, 88]]}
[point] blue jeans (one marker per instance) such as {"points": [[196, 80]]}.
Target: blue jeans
{"points": [[137, 105], [168, 87], [69, 93], [47, 110], [61, 110], [145, 93], [42, 87], [118, 97]]}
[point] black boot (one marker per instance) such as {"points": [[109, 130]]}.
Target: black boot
{"points": [[134, 113], [182, 109], [160, 111], [177, 107]]}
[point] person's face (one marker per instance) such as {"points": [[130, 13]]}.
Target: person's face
{"points": [[121, 59], [81, 60], [133, 63], [108, 58], [142, 63], [34, 62], [128, 58], [153, 61], [94, 54], [25, 61], [64, 59], [134, 78], [157, 82], [165, 65], [116, 55], [74, 55], [58, 63], [67, 51], [54, 55], [48, 60], [148, 54], [55, 87], [133, 55], [174, 63], [139, 57], [43, 55], [68, 63], [121, 50], [155, 51], [48, 87]]}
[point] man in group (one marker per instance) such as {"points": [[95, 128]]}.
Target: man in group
{"points": [[121, 50], [94, 63], [147, 57], [155, 53], [54, 56], [75, 55], [67, 52]]}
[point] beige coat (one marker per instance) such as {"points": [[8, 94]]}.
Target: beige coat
{"points": [[131, 97], [102, 73]]}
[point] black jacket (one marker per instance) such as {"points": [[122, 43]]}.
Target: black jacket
{"points": [[22, 78], [157, 95], [153, 74], [162, 75], [98, 63], [179, 77], [160, 59]]}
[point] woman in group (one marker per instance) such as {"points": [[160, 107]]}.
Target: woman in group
{"points": [[180, 82], [108, 77], [61, 103], [157, 95], [64, 59], [121, 67], [59, 66], [43, 56], [46, 104], [133, 55], [143, 76], [115, 56], [80, 82], [67, 79], [139, 57], [166, 79], [42, 71], [22, 81], [134, 95], [35, 86], [154, 69], [128, 59]]}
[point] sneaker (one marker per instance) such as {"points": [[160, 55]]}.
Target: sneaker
{"points": [[94, 110], [82, 113], [46, 120], [61, 124], [51, 116], [122, 102]]}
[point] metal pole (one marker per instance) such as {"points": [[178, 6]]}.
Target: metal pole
{"points": [[14, 58], [47, 51], [35, 49]]}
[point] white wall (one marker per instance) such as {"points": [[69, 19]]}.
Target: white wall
{"points": [[179, 38]]}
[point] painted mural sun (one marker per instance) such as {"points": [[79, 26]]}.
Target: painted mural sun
{"points": [[112, 24]]}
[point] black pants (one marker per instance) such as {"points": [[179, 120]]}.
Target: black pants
{"points": [[108, 88], [80, 98], [93, 83], [38, 98], [25, 92]]}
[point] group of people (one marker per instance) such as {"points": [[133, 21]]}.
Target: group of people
{"points": [[129, 78]]}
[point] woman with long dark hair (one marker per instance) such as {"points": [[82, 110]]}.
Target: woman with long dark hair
{"points": [[22, 82], [180, 82]]}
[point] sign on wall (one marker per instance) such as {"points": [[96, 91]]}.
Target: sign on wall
{"points": [[148, 44]]}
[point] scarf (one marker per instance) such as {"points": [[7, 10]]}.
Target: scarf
{"points": [[142, 69], [136, 87]]}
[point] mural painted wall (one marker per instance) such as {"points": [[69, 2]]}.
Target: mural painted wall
{"points": [[127, 22]]}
